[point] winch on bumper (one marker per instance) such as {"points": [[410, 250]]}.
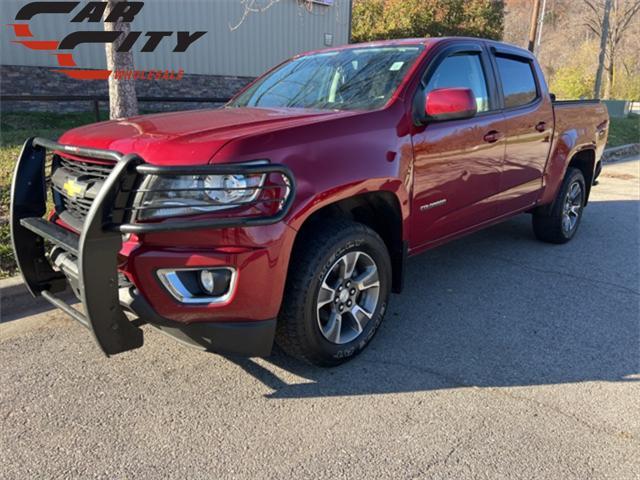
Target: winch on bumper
{"points": [[51, 257]]}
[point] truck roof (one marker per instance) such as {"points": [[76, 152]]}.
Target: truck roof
{"points": [[426, 41], [376, 43]]}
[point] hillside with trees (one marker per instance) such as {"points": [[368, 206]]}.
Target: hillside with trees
{"points": [[570, 36], [570, 43]]}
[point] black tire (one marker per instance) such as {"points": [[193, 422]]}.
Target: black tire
{"points": [[548, 222], [315, 257]]}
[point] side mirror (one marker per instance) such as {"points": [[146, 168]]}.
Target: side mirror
{"points": [[450, 104]]}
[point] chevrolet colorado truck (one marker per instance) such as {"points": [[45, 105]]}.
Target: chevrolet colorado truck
{"points": [[289, 213]]}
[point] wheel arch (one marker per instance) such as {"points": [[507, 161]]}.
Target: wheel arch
{"points": [[567, 154], [380, 210], [585, 161]]}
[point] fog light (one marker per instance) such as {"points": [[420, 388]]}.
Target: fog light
{"points": [[207, 281], [196, 285]]}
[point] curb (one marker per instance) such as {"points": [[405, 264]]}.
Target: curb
{"points": [[15, 299], [14, 296], [618, 153]]}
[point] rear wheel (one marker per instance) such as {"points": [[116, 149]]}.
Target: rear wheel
{"points": [[561, 222], [337, 293]]}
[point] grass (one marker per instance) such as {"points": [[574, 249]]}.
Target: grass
{"points": [[15, 128], [624, 131]]}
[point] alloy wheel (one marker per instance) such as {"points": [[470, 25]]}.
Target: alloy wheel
{"points": [[348, 297], [572, 208]]}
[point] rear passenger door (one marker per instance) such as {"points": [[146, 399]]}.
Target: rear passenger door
{"points": [[529, 126]]}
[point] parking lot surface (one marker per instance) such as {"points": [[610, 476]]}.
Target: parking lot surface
{"points": [[503, 358]]}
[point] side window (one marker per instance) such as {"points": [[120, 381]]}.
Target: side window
{"points": [[462, 71], [518, 82]]}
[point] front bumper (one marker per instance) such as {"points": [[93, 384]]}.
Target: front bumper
{"points": [[91, 264]]}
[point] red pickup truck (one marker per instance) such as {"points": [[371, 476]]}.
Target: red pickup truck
{"points": [[288, 215]]}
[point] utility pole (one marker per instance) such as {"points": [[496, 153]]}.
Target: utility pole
{"points": [[533, 28], [540, 26], [604, 35]]}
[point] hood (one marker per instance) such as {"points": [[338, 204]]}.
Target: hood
{"points": [[191, 137]]}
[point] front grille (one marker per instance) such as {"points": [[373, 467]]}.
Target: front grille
{"points": [[78, 209], [88, 177], [88, 169]]}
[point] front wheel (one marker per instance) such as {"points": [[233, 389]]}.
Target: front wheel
{"points": [[337, 293], [561, 222]]}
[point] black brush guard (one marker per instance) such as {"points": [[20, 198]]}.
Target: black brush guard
{"points": [[96, 248]]}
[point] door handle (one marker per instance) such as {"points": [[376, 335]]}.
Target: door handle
{"points": [[493, 136], [541, 127]]}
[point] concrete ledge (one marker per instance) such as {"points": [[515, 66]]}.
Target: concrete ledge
{"points": [[13, 292], [623, 151], [16, 299]]}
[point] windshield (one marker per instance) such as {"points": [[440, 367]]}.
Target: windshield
{"points": [[351, 79]]}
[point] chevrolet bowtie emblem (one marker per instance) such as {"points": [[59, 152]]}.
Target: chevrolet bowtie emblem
{"points": [[72, 188]]}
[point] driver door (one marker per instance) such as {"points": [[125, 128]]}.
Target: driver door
{"points": [[457, 163]]}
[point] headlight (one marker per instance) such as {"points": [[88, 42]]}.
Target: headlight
{"points": [[170, 196]]}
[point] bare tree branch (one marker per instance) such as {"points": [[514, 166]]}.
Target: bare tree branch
{"points": [[595, 27], [628, 16], [632, 10], [595, 31], [259, 6], [592, 7]]}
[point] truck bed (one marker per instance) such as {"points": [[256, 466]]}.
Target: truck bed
{"points": [[585, 120]]}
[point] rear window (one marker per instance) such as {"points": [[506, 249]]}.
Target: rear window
{"points": [[518, 83]]}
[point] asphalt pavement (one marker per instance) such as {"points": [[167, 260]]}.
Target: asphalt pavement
{"points": [[503, 358]]}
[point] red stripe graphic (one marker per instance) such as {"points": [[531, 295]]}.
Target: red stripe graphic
{"points": [[21, 29], [65, 59], [87, 74], [39, 44]]}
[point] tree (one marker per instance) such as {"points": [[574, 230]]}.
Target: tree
{"points": [[258, 6], [383, 19], [571, 82], [122, 91], [569, 48], [603, 48], [619, 20]]}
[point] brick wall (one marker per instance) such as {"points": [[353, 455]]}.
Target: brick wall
{"points": [[24, 80]]}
